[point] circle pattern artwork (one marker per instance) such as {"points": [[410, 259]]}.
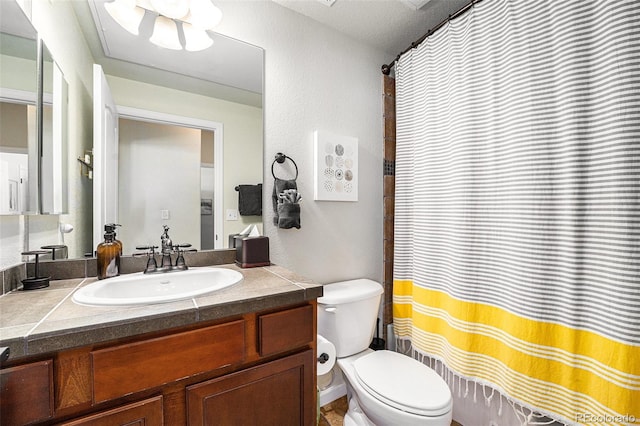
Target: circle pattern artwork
{"points": [[328, 173], [338, 164], [328, 160]]}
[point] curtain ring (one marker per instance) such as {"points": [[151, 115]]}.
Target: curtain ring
{"points": [[281, 158]]}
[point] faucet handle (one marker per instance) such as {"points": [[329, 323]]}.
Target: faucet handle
{"points": [[150, 252], [180, 262]]}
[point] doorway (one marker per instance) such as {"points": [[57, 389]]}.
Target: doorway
{"points": [[170, 173]]}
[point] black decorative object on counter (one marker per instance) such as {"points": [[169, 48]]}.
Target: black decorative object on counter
{"points": [[286, 199], [35, 282]]}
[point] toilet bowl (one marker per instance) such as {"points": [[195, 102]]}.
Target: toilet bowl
{"points": [[383, 387]]}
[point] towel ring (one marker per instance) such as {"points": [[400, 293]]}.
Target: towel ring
{"points": [[280, 158]]}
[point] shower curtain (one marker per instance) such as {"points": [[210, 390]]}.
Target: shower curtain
{"points": [[517, 216]]}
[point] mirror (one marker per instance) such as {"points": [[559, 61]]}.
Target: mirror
{"points": [[145, 86], [33, 104], [18, 98], [194, 90]]}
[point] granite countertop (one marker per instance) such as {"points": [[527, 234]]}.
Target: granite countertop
{"points": [[47, 320]]}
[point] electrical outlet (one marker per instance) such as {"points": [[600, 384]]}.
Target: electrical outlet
{"points": [[232, 214]]}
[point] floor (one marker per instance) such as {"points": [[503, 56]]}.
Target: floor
{"points": [[333, 413]]}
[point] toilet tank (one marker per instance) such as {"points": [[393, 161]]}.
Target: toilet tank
{"points": [[347, 314]]}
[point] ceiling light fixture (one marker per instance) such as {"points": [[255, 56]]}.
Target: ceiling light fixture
{"points": [[126, 13], [193, 17], [165, 34]]}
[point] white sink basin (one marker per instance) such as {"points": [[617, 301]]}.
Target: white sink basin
{"points": [[138, 289]]}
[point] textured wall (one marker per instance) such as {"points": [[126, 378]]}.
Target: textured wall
{"points": [[316, 78]]}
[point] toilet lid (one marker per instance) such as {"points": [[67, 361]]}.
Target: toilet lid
{"points": [[403, 383]]}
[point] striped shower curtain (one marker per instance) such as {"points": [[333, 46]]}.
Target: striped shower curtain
{"points": [[517, 216]]}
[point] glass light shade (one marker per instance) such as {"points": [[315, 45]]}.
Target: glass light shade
{"points": [[126, 13], [165, 34], [204, 15], [195, 38], [174, 9]]}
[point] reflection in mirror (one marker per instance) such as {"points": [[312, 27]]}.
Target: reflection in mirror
{"points": [[150, 192], [33, 173], [53, 162], [18, 94], [222, 84], [211, 95]]}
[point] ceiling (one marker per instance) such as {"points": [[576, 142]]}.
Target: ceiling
{"points": [[387, 25]]}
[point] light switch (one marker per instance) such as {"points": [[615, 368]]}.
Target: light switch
{"points": [[232, 214], [164, 214]]}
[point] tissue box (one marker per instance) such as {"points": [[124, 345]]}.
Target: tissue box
{"points": [[232, 239], [252, 252]]}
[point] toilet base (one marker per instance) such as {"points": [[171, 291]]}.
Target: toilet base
{"points": [[355, 416]]}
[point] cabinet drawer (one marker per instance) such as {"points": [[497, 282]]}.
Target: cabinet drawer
{"points": [[26, 393], [144, 413], [133, 367], [285, 330]]}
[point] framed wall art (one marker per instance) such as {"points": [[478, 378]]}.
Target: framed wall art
{"points": [[335, 167]]}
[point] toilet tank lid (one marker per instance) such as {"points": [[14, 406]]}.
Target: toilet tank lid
{"points": [[349, 291]]}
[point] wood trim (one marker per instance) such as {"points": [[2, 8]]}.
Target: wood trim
{"points": [[133, 367], [72, 378]]}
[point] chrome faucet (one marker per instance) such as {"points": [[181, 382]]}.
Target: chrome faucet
{"points": [[166, 249]]}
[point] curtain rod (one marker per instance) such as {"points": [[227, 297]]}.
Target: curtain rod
{"points": [[386, 69]]}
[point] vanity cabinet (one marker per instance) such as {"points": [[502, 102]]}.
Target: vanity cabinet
{"points": [[147, 412], [269, 394], [26, 393], [257, 368]]}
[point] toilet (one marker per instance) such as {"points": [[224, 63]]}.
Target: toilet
{"points": [[383, 387]]}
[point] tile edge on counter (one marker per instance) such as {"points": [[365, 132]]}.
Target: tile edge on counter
{"points": [[45, 338]]}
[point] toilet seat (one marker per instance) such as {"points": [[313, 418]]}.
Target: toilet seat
{"points": [[403, 383]]}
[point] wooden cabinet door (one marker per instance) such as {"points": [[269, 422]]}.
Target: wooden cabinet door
{"points": [[143, 413], [279, 393], [26, 393]]}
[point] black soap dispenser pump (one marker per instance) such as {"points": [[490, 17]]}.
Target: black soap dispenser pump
{"points": [[108, 253]]}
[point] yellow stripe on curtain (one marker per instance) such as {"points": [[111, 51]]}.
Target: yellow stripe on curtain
{"points": [[591, 375]]}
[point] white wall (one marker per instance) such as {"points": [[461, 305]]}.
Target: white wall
{"points": [[316, 78]]}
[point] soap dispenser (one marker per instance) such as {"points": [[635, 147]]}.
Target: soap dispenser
{"points": [[117, 241], [109, 253]]}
